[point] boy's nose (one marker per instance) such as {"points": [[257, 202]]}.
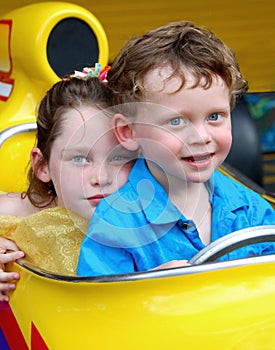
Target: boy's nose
{"points": [[200, 134]]}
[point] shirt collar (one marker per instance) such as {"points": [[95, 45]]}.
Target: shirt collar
{"points": [[154, 200], [223, 187], [156, 204]]}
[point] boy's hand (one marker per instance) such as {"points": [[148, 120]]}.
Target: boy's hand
{"points": [[9, 252], [172, 264]]}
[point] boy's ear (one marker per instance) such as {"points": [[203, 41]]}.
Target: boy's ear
{"points": [[39, 165], [125, 133]]}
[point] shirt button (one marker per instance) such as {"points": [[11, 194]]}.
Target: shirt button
{"points": [[184, 225]]}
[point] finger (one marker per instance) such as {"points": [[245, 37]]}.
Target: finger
{"points": [[11, 257], [5, 287], [4, 297], [8, 277], [8, 286], [6, 244], [185, 262]]}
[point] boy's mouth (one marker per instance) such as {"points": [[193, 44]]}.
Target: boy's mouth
{"points": [[198, 158]]}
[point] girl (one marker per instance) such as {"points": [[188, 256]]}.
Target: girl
{"points": [[77, 162]]}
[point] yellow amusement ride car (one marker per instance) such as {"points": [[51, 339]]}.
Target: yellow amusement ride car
{"points": [[210, 304]]}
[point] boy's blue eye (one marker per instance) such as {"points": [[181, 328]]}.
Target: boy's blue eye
{"points": [[177, 121], [80, 159], [214, 117]]}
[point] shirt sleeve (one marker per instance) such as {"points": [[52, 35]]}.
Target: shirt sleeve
{"points": [[100, 253], [258, 213], [267, 217], [96, 259], [262, 211]]}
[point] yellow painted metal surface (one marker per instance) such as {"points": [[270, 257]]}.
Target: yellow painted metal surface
{"points": [[231, 308], [15, 154]]}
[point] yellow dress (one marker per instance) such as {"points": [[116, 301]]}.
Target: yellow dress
{"points": [[50, 238]]}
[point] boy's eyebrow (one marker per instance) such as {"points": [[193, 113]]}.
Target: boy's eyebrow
{"points": [[174, 113], [164, 110], [74, 148]]}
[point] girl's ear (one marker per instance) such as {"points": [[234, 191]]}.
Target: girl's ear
{"points": [[125, 133], [39, 165]]}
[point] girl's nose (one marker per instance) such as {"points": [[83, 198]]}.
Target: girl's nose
{"points": [[100, 175]]}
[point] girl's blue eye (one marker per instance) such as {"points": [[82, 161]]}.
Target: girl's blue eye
{"points": [[80, 159], [214, 117], [176, 121], [120, 159]]}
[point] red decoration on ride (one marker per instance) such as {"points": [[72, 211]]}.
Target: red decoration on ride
{"points": [[37, 342], [11, 337], [9, 326], [6, 83]]}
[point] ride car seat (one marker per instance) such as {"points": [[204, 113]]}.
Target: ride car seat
{"points": [[245, 154]]}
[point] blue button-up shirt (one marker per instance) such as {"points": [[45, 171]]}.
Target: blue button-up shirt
{"points": [[139, 228]]}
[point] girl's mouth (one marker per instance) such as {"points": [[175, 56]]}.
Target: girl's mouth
{"points": [[94, 200]]}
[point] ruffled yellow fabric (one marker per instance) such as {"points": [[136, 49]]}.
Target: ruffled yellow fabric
{"points": [[50, 238]]}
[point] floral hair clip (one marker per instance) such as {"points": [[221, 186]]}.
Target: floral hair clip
{"points": [[88, 72]]}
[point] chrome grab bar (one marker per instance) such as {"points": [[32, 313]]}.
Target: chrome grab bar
{"points": [[15, 130]]}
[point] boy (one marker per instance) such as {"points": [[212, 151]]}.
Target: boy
{"points": [[174, 89]]}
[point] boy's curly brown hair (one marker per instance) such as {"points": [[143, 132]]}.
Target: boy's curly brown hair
{"points": [[180, 46]]}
